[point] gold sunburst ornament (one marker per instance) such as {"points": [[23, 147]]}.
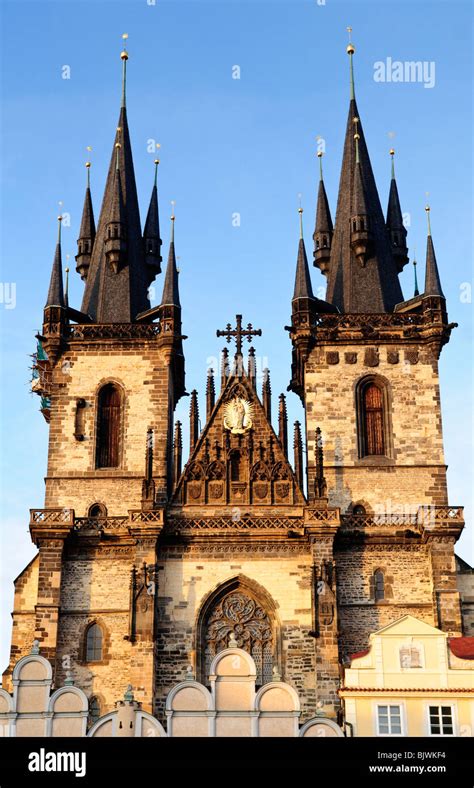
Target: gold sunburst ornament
{"points": [[238, 415]]}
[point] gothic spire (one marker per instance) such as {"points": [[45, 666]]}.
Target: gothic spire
{"points": [[416, 291], [432, 280], [267, 395], [56, 290], [323, 229], [118, 296], [86, 239], [298, 454], [303, 288], [370, 285], [193, 421], [170, 295], [116, 229], [151, 232], [177, 453], [210, 393], [283, 424], [395, 224]]}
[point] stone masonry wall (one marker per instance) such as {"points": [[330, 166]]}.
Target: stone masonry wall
{"points": [[332, 372], [185, 581], [408, 589], [73, 480]]}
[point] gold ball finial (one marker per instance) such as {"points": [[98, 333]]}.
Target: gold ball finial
{"points": [[88, 164], [350, 49], [118, 145], [300, 210], [392, 152], [157, 161], [355, 120], [427, 209], [124, 53], [67, 270], [357, 136], [319, 154], [60, 218]]}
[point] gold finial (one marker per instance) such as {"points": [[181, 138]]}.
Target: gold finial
{"points": [[300, 211], [320, 155], [156, 163], [356, 138], [392, 154], [428, 209], [350, 47], [172, 217], [124, 53], [60, 218]]}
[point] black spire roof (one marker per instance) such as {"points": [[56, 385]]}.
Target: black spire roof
{"points": [[170, 295], [352, 287], [432, 280], [323, 214], [56, 289], [118, 297], [303, 288]]}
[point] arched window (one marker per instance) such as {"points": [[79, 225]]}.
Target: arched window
{"points": [[379, 585], [109, 427], [94, 710], [359, 509], [373, 417], [97, 510], [94, 643]]}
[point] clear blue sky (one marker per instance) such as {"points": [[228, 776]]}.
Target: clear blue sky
{"points": [[227, 146]]}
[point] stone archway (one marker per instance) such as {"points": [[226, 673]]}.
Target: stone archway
{"points": [[236, 613]]}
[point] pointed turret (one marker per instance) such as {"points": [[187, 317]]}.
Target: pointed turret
{"points": [[193, 421], [116, 228], [303, 289], [170, 295], [432, 280], [56, 289], [169, 313], [151, 232], [210, 393], [362, 274], [177, 453], [86, 239], [323, 229], [416, 290], [283, 424], [395, 226], [298, 454], [118, 292], [55, 315], [267, 395]]}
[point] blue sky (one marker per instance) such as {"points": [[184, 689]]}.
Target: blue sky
{"points": [[228, 146]]}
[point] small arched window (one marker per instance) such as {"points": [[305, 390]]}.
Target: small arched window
{"points": [[373, 420], [94, 710], [359, 509], [379, 585], [94, 643], [97, 510], [109, 427]]}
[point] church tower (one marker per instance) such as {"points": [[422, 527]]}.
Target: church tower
{"points": [[113, 374], [365, 364]]}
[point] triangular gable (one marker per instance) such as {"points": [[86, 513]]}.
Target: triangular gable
{"points": [[238, 458], [408, 625]]}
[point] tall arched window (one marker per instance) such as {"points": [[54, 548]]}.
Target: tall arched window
{"points": [[379, 585], [94, 643], [373, 418], [109, 427]]}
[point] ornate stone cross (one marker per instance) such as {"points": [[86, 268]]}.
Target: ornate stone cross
{"points": [[238, 333]]}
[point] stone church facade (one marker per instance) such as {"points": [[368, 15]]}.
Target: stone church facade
{"points": [[294, 548]]}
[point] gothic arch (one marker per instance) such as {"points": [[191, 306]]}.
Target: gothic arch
{"points": [[105, 657], [253, 615], [376, 447], [109, 424]]}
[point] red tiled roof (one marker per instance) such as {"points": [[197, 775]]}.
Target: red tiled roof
{"points": [[462, 647], [362, 653]]}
